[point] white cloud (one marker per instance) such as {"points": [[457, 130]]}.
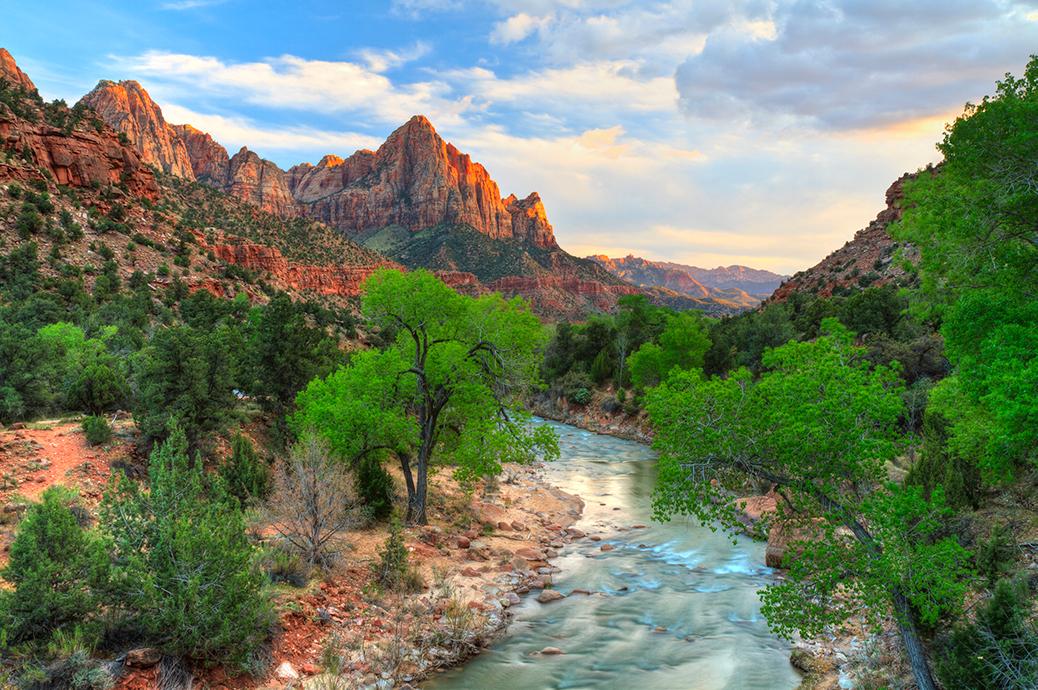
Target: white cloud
{"points": [[295, 83], [384, 60], [235, 132], [613, 85], [518, 27], [846, 64]]}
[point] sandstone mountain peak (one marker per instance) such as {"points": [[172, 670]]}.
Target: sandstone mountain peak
{"points": [[209, 160], [416, 180], [10, 71], [128, 109]]}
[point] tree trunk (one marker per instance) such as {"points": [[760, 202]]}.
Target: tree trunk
{"points": [[417, 509], [913, 645], [416, 501], [405, 466]]}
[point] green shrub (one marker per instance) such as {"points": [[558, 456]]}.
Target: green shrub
{"points": [[77, 671], [938, 465], [97, 430], [581, 396], [374, 487], [186, 572], [994, 556], [393, 571], [602, 367], [575, 385], [283, 566], [56, 567], [29, 222], [97, 387], [999, 649], [245, 474]]}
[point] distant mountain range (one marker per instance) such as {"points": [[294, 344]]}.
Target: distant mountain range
{"points": [[416, 201], [733, 287]]}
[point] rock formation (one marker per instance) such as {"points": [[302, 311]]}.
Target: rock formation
{"points": [[721, 290], [10, 72], [692, 280], [127, 108], [259, 182], [332, 174], [209, 160], [343, 281], [416, 180], [76, 153]]}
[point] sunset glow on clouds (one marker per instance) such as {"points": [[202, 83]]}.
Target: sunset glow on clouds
{"points": [[759, 132]]}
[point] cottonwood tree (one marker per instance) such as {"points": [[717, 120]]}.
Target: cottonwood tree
{"points": [[683, 343], [310, 505], [451, 381], [819, 425], [973, 220]]}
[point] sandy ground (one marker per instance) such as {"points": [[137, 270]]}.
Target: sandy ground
{"points": [[484, 546]]}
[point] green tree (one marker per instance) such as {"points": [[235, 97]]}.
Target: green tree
{"points": [[57, 569], [244, 473], [818, 425], [286, 352], [453, 379], [973, 221], [185, 571], [637, 322], [998, 650], [683, 343], [361, 411], [185, 375]]}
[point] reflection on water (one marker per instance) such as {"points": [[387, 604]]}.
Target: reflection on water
{"points": [[675, 604]]}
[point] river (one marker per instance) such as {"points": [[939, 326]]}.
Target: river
{"points": [[675, 604]]}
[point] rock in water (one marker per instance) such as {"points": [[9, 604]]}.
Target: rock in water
{"points": [[550, 595]]}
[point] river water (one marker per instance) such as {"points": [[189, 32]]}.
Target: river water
{"points": [[676, 604]]}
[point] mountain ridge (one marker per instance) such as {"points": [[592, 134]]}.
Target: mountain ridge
{"points": [[735, 287], [871, 258]]}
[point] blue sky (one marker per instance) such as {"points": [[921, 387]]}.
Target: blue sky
{"points": [[761, 132]]}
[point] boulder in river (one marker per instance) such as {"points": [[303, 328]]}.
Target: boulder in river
{"points": [[550, 595]]}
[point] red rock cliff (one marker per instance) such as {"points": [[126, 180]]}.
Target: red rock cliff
{"points": [[417, 180], [127, 108], [342, 281], [260, 182], [209, 160], [10, 71], [80, 155]]}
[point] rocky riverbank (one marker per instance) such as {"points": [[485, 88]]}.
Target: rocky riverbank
{"points": [[602, 415], [483, 549]]}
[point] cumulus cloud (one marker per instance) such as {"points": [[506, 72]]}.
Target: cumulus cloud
{"points": [[296, 83], [615, 85], [517, 27], [846, 64], [235, 132]]}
